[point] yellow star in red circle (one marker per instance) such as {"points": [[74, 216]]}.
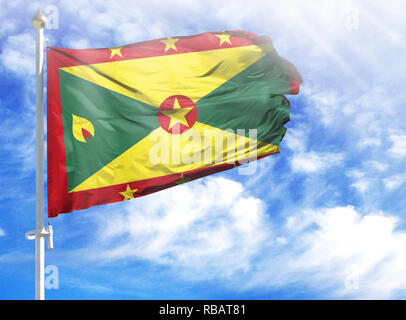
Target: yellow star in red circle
{"points": [[128, 193], [177, 114]]}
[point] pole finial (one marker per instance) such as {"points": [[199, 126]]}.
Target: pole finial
{"points": [[39, 20]]}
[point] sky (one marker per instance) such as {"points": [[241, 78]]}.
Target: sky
{"points": [[324, 219]]}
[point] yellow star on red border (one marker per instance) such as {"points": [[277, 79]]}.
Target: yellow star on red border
{"points": [[115, 51], [224, 37], [170, 44], [128, 193]]}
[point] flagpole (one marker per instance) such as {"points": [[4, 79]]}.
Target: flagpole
{"points": [[39, 22]]}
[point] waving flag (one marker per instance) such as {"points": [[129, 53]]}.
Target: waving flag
{"points": [[128, 121]]}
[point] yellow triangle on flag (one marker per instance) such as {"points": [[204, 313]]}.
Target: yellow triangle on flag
{"points": [[151, 80], [162, 153]]}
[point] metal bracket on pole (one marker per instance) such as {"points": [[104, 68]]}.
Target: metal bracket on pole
{"points": [[50, 237], [48, 232]]}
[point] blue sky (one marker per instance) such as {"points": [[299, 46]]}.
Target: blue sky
{"points": [[324, 219]]}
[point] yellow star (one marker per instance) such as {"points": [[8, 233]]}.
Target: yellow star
{"points": [[128, 193], [224, 37], [177, 114], [170, 44], [182, 180], [116, 51]]}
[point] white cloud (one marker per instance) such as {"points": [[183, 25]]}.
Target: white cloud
{"points": [[77, 43], [15, 257], [18, 54], [296, 139], [362, 185], [325, 103], [364, 117], [7, 26], [327, 247], [2, 233], [369, 142], [376, 165], [18, 139], [312, 162], [213, 230], [398, 148], [348, 243], [210, 226], [395, 181], [369, 127], [232, 14]]}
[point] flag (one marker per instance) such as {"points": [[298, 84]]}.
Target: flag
{"points": [[128, 121]]}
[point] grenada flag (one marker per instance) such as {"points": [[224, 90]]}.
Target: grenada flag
{"points": [[128, 121]]}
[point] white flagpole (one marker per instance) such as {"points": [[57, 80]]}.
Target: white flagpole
{"points": [[39, 22]]}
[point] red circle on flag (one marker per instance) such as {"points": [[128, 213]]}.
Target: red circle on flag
{"points": [[177, 114]]}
